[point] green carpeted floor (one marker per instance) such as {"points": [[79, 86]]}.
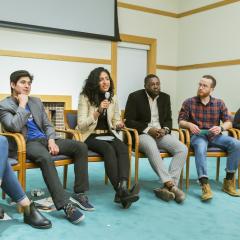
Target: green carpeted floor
{"points": [[149, 218]]}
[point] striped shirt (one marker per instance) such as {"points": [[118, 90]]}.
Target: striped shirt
{"points": [[204, 116]]}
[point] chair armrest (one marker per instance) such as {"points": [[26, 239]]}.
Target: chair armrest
{"points": [[180, 133], [186, 136], [70, 133], [136, 138], [21, 145], [233, 132], [237, 131], [128, 136]]}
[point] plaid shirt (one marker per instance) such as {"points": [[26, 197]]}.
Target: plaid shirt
{"points": [[204, 116]]}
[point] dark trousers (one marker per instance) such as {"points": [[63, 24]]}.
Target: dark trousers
{"points": [[37, 151], [115, 155]]}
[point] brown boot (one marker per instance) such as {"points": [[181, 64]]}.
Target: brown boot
{"points": [[179, 194], [164, 194], [206, 192], [229, 186]]}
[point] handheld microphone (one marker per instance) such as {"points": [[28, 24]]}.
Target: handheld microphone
{"points": [[107, 96]]}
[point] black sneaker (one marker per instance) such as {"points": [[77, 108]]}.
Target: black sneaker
{"points": [[73, 214], [81, 201]]}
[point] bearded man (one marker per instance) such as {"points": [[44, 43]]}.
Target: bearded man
{"points": [[202, 115]]}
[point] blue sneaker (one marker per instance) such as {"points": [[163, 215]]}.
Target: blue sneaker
{"points": [[81, 201], [72, 213]]}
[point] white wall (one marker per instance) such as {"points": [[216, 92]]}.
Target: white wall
{"points": [[187, 5], [168, 81], [204, 37], [208, 37], [169, 5], [175, 6], [20, 40], [165, 30], [51, 77], [66, 78]]}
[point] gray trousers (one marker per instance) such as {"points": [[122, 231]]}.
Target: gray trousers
{"points": [[150, 147]]}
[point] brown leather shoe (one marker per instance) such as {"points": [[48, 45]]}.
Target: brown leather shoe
{"points": [[34, 218], [179, 194], [206, 192], [164, 194]]}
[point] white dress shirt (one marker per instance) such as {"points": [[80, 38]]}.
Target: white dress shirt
{"points": [[154, 123]]}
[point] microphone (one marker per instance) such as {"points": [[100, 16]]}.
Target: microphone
{"points": [[107, 96]]}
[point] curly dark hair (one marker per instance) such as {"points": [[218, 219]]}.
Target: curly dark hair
{"points": [[91, 86]]}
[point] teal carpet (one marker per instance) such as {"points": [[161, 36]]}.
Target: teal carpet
{"points": [[149, 218]]}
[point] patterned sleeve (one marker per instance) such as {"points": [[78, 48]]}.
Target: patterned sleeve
{"points": [[224, 114], [184, 112]]}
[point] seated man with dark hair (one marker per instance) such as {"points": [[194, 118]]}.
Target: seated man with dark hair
{"points": [[149, 111], [24, 114]]}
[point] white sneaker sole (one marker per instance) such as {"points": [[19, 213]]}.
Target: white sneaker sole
{"points": [[79, 220], [80, 205]]}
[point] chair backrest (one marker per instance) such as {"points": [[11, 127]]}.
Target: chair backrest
{"points": [[70, 119], [232, 115], [122, 114]]}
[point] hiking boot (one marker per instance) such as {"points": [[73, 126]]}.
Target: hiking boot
{"points": [[206, 192], [229, 187]]}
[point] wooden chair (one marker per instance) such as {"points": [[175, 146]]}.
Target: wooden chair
{"points": [[211, 152], [16, 163], [70, 122], [238, 137]]}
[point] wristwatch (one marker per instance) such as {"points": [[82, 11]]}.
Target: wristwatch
{"points": [[167, 131]]}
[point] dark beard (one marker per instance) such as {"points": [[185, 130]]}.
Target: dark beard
{"points": [[153, 95]]}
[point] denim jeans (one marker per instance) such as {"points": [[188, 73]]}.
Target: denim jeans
{"points": [[200, 143], [10, 184]]}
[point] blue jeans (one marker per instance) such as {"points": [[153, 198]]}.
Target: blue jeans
{"points": [[200, 143], [10, 184]]}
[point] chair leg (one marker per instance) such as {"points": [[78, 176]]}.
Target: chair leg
{"points": [[239, 176], [217, 169], [3, 195], [19, 209], [130, 173], [136, 169], [181, 179], [65, 172], [187, 172], [106, 179]]}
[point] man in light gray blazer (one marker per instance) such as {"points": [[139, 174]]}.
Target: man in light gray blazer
{"points": [[24, 114]]}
